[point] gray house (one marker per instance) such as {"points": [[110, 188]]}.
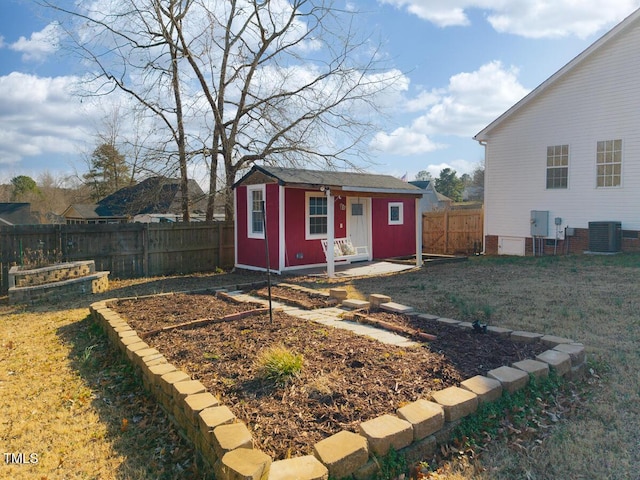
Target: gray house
{"points": [[15, 213], [153, 199], [431, 199]]}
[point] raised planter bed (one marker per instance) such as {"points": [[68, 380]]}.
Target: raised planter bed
{"points": [[55, 281], [226, 442]]}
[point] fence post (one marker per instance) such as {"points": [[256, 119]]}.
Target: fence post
{"points": [[446, 232], [145, 249]]}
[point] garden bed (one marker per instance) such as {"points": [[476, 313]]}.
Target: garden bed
{"points": [[346, 379], [297, 296]]}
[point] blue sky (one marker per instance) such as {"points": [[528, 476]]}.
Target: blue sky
{"points": [[464, 62]]}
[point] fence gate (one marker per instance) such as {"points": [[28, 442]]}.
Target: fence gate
{"points": [[451, 232]]}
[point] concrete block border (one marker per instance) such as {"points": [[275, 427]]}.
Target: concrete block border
{"points": [[415, 430]]}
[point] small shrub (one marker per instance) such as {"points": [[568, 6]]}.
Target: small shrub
{"points": [[279, 364]]}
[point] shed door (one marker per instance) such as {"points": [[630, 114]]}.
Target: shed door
{"points": [[358, 221]]}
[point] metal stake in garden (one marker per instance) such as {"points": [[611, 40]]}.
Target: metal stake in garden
{"points": [[266, 247]]}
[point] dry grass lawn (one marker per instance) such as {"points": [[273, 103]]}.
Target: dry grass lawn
{"points": [[68, 398]]}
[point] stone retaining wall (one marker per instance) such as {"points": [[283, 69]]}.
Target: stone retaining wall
{"points": [[19, 277], [55, 281], [414, 430]]}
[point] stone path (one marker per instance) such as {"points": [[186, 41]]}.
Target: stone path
{"points": [[331, 318]]}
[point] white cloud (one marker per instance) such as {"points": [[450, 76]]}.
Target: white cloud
{"points": [[469, 103], [40, 45], [39, 116], [472, 100], [404, 141], [527, 18]]}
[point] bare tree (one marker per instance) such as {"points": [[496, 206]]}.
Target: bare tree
{"points": [[281, 82], [286, 83], [132, 48]]}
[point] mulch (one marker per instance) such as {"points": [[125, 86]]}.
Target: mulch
{"points": [[346, 379]]}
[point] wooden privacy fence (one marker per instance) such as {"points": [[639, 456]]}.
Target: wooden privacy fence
{"points": [[126, 250], [451, 232]]}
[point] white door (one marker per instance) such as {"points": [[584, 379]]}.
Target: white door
{"points": [[359, 221]]}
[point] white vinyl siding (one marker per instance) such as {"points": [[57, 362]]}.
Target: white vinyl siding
{"points": [[598, 100]]}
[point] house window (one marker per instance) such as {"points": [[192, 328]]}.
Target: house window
{"points": [[396, 213], [316, 216], [255, 218], [557, 166], [609, 163]]}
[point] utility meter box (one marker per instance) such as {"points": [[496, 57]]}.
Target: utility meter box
{"points": [[539, 223]]}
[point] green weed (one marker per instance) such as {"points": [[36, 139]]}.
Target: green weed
{"points": [[391, 466]]}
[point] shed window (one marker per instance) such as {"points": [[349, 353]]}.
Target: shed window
{"points": [[255, 218], [396, 213], [609, 163], [316, 216], [557, 166]]}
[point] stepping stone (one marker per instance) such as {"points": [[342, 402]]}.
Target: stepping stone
{"points": [[394, 307], [355, 304]]}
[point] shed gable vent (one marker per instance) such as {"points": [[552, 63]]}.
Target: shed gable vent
{"points": [[605, 237]]}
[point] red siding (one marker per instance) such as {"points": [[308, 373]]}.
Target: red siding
{"points": [[251, 251], [393, 240], [295, 225], [388, 240]]}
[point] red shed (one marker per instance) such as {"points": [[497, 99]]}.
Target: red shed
{"points": [[363, 216]]}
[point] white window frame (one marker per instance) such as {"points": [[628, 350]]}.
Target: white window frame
{"points": [[307, 216], [400, 206], [606, 159], [557, 155], [250, 190]]}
